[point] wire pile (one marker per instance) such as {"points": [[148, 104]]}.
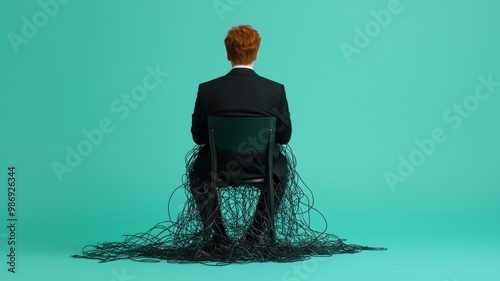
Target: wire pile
{"points": [[182, 240]]}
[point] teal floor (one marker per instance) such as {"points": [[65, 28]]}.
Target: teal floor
{"points": [[416, 258]]}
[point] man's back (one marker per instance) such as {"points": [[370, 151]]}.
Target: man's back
{"points": [[241, 93]]}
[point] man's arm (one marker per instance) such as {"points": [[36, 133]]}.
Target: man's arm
{"points": [[283, 122], [199, 127]]}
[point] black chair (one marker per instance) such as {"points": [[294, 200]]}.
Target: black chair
{"points": [[233, 133]]}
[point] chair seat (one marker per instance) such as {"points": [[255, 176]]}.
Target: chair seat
{"points": [[257, 181]]}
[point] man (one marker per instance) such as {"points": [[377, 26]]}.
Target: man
{"points": [[240, 93]]}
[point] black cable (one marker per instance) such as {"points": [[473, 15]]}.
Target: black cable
{"points": [[183, 241]]}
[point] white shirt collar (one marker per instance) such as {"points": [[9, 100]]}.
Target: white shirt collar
{"points": [[242, 66]]}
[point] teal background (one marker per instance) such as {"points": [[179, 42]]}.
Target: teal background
{"points": [[351, 121]]}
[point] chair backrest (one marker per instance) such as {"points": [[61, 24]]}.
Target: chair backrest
{"points": [[235, 133], [241, 134]]}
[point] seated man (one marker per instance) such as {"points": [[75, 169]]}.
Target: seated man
{"points": [[240, 93]]}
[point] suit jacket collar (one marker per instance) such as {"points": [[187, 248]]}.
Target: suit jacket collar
{"points": [[242, 71]]}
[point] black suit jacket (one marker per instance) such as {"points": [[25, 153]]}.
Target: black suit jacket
{"points": [[240, 93]]}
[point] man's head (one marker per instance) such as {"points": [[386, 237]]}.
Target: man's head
{"points": [[242, 44]]}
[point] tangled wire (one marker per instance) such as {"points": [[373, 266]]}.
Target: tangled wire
{"points": [[184, 240]]}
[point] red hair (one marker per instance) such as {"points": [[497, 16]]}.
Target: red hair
{"points": [[242, 44]]}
